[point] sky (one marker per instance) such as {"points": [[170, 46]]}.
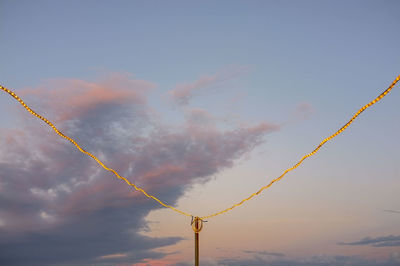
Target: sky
{"points": [[200, 104]]}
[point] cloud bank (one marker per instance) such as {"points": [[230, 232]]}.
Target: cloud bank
{"points": [[320, 260], [264, 253]]}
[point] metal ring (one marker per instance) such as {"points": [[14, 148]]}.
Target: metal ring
{"points": [[199, 224]]}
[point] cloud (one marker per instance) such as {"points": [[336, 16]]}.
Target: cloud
{"points": [[304, 110], [264, 253], [183, 92], [320, 260], [392, 211], [383, 241], [58, 207], [84, 96]]}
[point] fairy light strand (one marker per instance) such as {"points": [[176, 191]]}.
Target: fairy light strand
{"points": [[362, 109], [88, 153]]}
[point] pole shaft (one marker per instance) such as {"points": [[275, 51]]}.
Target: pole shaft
{"points": [[196, 243]]}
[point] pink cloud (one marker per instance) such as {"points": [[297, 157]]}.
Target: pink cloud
{"points": [[70, 98], [304, 110]]}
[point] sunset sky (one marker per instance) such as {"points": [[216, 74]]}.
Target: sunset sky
{"points": [[200, 103]]}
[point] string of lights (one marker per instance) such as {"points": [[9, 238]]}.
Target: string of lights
{"points": [[88, 153], [362, 109]]}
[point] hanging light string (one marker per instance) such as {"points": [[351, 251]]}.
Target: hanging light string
{"points": [[362, 109], [343, 128], [16, 97]]}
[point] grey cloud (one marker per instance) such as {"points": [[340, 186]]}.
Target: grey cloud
{"points": [[310, 261], [383, 241], [81, 241], [58, 207], [392, 211], [264, 252]]}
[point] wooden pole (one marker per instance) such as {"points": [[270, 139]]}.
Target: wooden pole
{"points": [[196, 243], [197, 225]]}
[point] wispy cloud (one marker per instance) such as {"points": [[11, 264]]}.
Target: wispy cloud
{"points": [[58, 206], [264, 253], [392, 211], [304, 110], [183, 92], [383, 241]]}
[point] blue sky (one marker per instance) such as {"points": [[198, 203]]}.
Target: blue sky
{"points": [[276, 76]]}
